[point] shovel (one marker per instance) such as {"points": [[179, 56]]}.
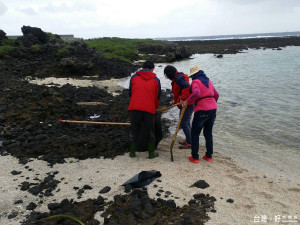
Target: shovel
{"points": [[92, 122], [175, 135], [164, 109]]}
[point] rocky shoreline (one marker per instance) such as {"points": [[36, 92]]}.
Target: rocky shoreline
{"points": [[29, 127], [233, 46]]}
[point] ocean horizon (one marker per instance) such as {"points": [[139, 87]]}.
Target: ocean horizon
{"points": [[233, 36]]}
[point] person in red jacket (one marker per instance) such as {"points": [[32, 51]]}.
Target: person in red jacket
{"points": [[181, 91], [144, 92]]}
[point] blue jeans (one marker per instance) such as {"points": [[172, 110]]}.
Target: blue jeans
{"points": [[205, 120], [186, 123]]}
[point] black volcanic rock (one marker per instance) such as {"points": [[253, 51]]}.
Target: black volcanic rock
{"points": [[164, 51], [34, 35], [230, 200], [233, 46], [2, 35], [33, 130], [138, 208], [14, 172], [84, 211], [105, 190], [18, 202], [61, 59], [12, 215], [31, 206], [201, 184]]}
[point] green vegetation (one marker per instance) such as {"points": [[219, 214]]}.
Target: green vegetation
{"points": [[6, 46], [5, 50], [36, 48], [65, 216], [65, 50], [54, 36], [122, 48], [9, 42]]}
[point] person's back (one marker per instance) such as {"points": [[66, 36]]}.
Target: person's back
{"points": [[144, 92], [181, 91], [208, 97]]}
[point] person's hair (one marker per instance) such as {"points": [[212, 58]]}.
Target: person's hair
{"points": [[170, 72], [148, 65]]}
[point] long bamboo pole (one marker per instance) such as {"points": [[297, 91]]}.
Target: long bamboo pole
{"points": [[164, 109], [90, 103], [92, 122]]}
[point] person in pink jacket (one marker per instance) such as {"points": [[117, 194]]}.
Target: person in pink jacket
{"points": [[205, 97]]}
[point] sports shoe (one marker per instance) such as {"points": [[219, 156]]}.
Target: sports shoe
{"points": [[185, 146], [182, 142], [193, 160], [206, 158]]}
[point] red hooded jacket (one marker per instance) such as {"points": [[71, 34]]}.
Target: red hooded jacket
{"points": [[180, 88], [144, 91]]}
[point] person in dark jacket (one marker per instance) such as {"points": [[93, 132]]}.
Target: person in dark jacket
{"points": [[144, 92], [181, 91]]}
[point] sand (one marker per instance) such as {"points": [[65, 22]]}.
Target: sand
{"points": [[254, 194], [258, 195], [111, 85]]}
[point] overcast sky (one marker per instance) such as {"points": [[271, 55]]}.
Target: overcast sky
{"points": [[150, 19]]}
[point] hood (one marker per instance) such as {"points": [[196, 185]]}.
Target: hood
{"points": [[146, 74], [200, 75]]}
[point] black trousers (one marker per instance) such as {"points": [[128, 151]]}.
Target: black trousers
{"points": [[141, 129]]}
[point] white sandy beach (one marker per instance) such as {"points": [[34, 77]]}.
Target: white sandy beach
{"points": [[255, 195], [261, 195]]}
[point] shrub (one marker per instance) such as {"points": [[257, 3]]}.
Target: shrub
{"points": [[55, 37], [10, 42], [122, 48], [5, 50], [65, 50], [36, 48]]}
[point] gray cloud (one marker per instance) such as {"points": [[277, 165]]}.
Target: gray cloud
{"points": [[3, 8], [29, 11]]}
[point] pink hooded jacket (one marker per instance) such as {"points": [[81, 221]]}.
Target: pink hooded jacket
{"points": [[203, 98]]}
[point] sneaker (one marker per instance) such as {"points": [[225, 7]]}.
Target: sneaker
{"points": [[185, 146], [193, 160], [206, 158], [182, 142]]}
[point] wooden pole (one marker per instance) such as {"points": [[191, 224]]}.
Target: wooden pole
{"points": [[90, 103], [175, 135], [92, 122], [164, 109]]}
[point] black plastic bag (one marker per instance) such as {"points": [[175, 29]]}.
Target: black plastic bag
{"points": [[142, 179]]}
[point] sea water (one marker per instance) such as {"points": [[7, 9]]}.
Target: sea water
{"points": [[235, 36], [258, 119]]}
